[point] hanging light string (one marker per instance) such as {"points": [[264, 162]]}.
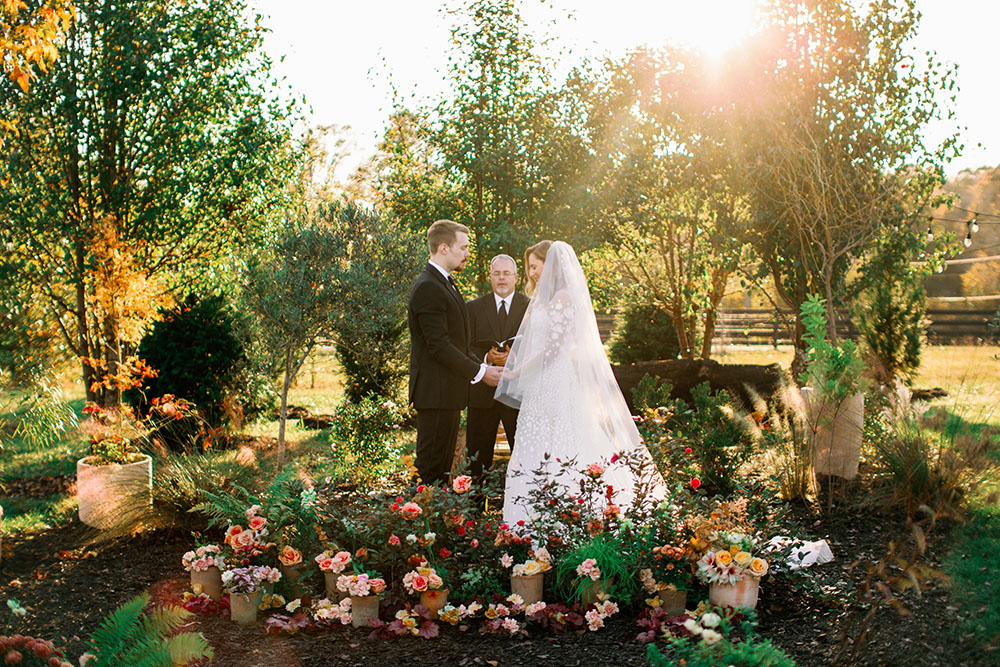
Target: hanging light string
{"points": [[971, 225]]}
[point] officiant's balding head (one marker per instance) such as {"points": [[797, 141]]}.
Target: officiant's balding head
{"points": [[503, 275]]}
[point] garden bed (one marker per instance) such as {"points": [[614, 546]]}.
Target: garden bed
{"points": [[69, 588]]}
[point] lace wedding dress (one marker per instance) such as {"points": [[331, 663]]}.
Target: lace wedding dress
{"points": [[571, 408]]}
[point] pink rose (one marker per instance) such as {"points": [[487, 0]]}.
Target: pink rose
{"points": [[341, 559], [378, 585], [462, 484], [411, 510], [595, 470], [290, 556], [393, 541], [326, 565], [474, 543], [419, 583], [257, 522]]}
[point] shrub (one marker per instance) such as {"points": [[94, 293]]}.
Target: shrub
{"points": [[365, 433], [785, 433], [721, 438], [892, 320], [833, 370], [382, 258], [643, 332], [197, 353]]}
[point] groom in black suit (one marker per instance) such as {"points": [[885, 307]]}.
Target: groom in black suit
{"points": [[441, 369], [494, 318]]}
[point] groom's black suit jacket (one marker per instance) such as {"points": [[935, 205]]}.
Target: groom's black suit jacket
{"points": [[440, 366], [485, 326]]}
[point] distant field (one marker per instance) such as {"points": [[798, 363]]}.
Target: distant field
{"points": [[970, 374]]}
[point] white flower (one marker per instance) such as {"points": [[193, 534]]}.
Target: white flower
{"points": [[430, 537], [411, 539], [711, 636], [15, 608], [692, 626], [710, 620], [506, 560], [293, 605]]}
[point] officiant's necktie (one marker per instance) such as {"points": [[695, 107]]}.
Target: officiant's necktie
{"points": [[502, 315], [454, 285]]}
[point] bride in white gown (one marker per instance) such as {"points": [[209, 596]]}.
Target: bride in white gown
{"points": [[571, 408]]}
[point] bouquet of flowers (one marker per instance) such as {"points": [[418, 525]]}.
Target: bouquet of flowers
{"points": [[422, 579], [731, 561], [202, 558], [250, 542], [538, 562], [360, 585], [670, 570], [335, 563], [243, 580]]}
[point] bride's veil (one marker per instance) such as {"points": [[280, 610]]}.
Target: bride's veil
{"points": [[559, 326]]}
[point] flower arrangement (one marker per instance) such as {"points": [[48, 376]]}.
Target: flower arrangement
{"points": [[204, 557], [244, 580], [670, 570], [335, 563], [732, 562], [589, 568], [539, 561], [360, 585], [422, 579], [332, 612]]}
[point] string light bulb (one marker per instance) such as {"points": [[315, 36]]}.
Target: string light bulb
{"points": [[968, 239], [930, 235], [974, 225]]}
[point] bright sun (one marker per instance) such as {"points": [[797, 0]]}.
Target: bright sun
{"points": [[712, 26]]}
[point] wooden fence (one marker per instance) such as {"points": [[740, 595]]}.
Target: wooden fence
{"points": [[766, 327]]}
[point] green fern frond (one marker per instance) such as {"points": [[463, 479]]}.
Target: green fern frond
{"points": [[130, 638], [189, 646]]}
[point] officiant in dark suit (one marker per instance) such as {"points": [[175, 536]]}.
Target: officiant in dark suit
{"points": [[441, 367], [493, 320]]}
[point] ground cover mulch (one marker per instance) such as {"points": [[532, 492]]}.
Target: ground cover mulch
{"points": [[69, 584]]}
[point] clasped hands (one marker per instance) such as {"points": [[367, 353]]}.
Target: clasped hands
{"points": [[496, 358]]}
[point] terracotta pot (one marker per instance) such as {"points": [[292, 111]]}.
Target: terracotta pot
{"points": [[333, 593], [672, 602], [210, 581], [837, 443], [434, 600], [243, 607], [292, 574], [590, 594], [113, 495], [529, 588], [363, 609], [741, 594]]}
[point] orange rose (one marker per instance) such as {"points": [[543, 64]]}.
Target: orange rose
{"points": [[290, 556], [723, 558]]}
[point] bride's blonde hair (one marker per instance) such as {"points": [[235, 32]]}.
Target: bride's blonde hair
{"points": [[539, 250]]}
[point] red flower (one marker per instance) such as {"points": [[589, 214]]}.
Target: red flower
{"points": [[687, 450], [394, 507], [420, 489], [444, 553], [520, 522], [461, 530], [695, 483], [614, 457]]}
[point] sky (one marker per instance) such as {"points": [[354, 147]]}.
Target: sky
{"points": [[346, 56]]}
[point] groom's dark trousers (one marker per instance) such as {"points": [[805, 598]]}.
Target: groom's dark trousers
{"points": [[485, 413], [441, 370]]}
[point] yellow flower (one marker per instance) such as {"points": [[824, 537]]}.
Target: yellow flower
{"points": [[742, 558], [410, 622], [723, 558], [758, 567], [654, 602]]}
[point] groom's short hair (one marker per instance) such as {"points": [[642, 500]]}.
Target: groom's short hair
{"points": [[443, 231]]}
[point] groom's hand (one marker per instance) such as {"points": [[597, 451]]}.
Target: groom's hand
{"points": [[492, 375], [496, 357]]}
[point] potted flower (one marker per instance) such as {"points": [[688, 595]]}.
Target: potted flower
{"points": [[595, 570], [527, 578], [426, 582], [291, 561], [669, 577], [331, 567], [732, 572], [115, 480], [205, 565], [364, 591], [245, 586]]}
